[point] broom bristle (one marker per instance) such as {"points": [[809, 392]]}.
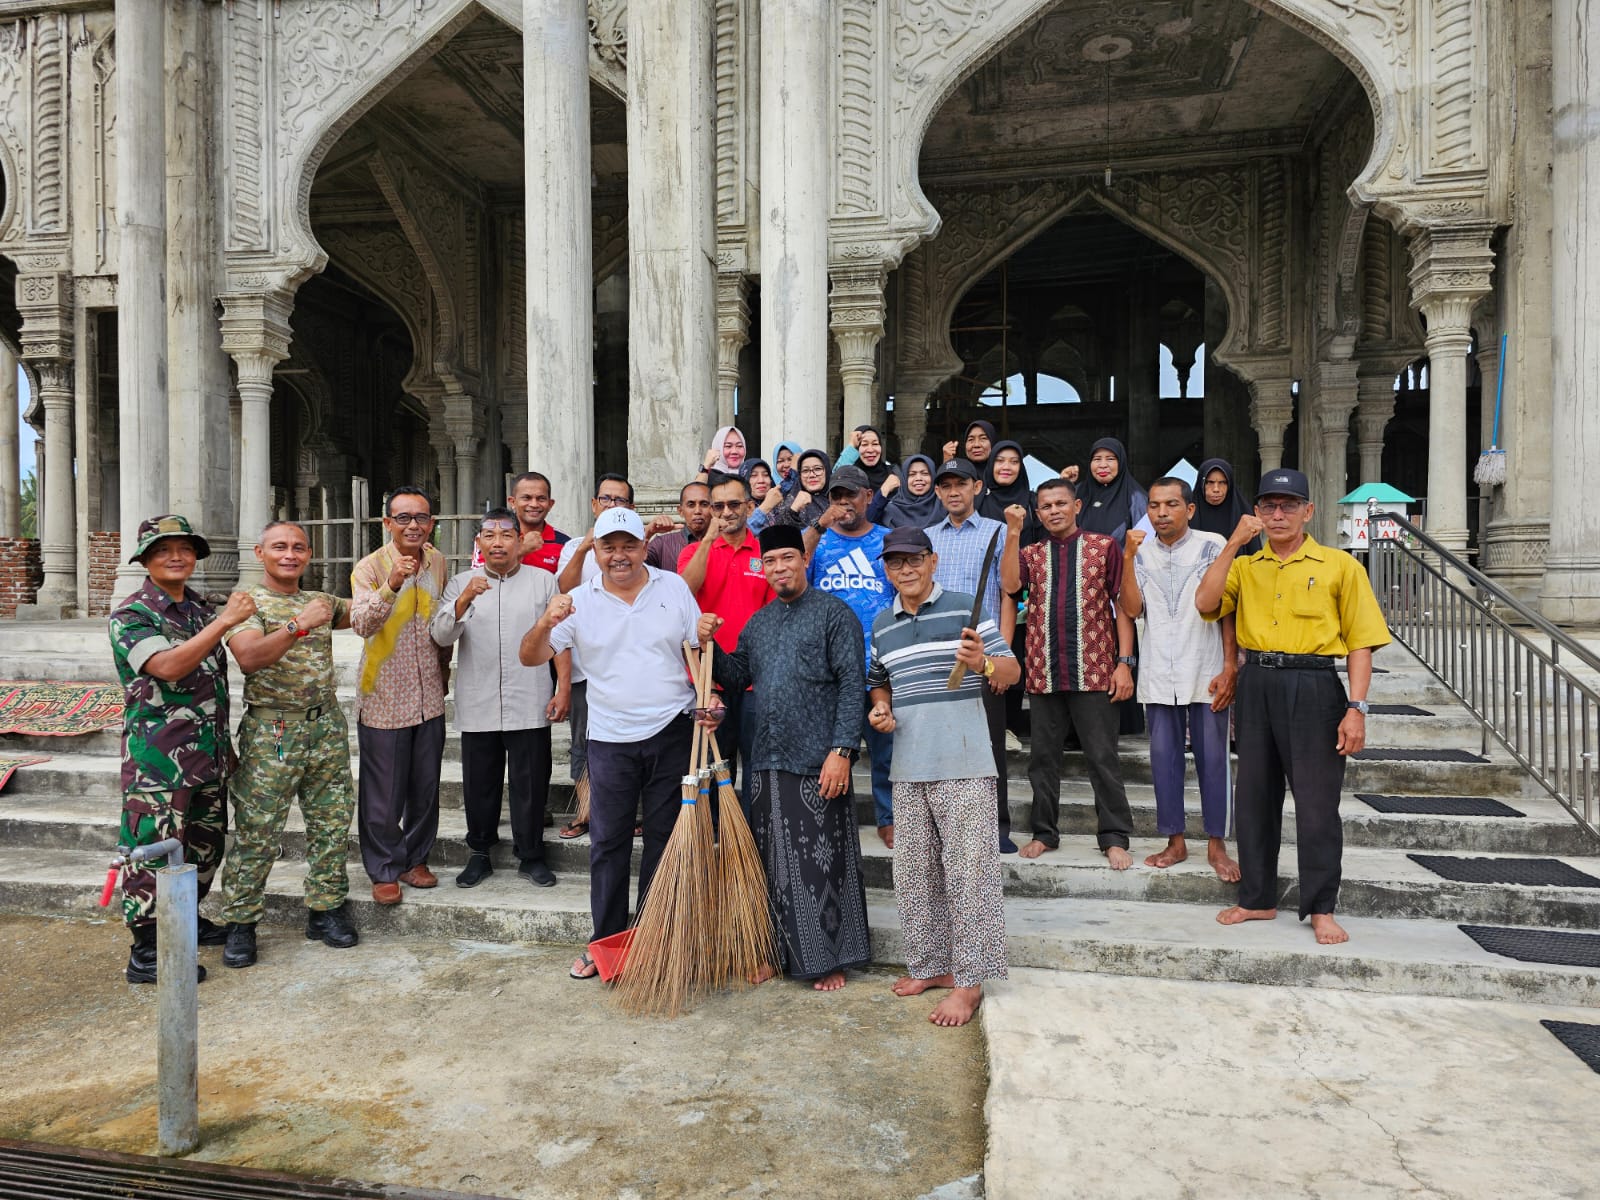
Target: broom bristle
{"points": [[747, 944]]}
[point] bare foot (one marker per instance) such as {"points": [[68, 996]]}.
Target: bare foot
{"points": [[908, 985], [1034, 848], [1177, 850], [957, 1008], [1217, 855], [1329, 932], [1117, 858], [886, 835], [764, 974], [1238, 916], [830, 983]]}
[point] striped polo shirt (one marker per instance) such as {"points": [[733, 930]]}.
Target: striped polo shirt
{"points": [[940, 733]]}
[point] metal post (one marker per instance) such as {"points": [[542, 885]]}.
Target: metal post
{"points": [[177, 1010]]}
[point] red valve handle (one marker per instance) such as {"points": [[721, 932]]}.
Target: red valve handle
{"points": [[111, 886]]}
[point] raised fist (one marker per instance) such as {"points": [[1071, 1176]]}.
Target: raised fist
{"points": [[239, 609], [1016, 515], [315, 615], [558, 610], [1134, 540], [1250, 526]]}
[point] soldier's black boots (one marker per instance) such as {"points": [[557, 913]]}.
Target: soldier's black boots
{"points": [[240, 947], [142, 957], [332, 928], [211, 934]]}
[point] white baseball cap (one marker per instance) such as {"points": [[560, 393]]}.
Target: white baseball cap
{"points": [[619, 520]]}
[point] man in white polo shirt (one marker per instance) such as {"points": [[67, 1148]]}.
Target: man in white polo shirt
{"points": [[628, 625]]}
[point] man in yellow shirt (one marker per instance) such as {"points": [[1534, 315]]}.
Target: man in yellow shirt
{"points": [[1300, 607]]}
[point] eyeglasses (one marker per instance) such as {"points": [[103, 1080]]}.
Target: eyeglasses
{"points": [[613, 502], [1283, 506], [813, 471], [722, 506], [409, 518], [901, 562]]}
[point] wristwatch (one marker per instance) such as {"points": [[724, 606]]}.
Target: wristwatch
{"points": [[1361, 706], [1128, 660], [988, 666], [843, 751], [293, 629]]}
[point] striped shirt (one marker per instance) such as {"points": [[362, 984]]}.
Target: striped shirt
{"points": [[960, 549], [939, 733]]}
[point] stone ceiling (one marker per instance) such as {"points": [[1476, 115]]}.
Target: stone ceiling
{"points": [[1183, 77]]}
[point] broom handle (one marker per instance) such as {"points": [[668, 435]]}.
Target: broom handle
{"points": [[696, 752], [1499, 391]]}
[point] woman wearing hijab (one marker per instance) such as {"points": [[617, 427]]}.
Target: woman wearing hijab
{"points": [[727, 452], [758, 474], [1005, 482], [977, 443], [866, 451], [1218, 504], [914, 504], [1112, 502], [783, 456], [810, 499]]}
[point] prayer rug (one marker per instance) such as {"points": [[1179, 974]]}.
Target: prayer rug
{"points": [[10, 762], [1525, 872], [58, 709], [1557, 947], [1583, 1040], [1438, 806]]}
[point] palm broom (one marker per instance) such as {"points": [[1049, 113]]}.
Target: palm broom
{"points": [[667, 964], [746, 943]]}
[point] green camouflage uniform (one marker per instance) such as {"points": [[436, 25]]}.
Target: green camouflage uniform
{"points": [[283, 754], [175, 749]]}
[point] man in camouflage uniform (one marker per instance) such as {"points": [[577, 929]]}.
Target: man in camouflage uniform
{"points": [[167, 646], [292, 743]]}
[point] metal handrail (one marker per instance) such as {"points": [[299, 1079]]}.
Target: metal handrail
{"points": [[1455, 620]]}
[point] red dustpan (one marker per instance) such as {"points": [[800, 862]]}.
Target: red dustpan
{"points": [[610, 953]]}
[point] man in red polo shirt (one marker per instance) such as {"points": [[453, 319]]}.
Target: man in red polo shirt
{"points": [[724, 573], [541, 541]]}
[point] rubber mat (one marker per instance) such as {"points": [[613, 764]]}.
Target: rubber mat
{"points": [[1526, 872], [1583, 1040], [1557, 947], [1399, 710], [1393, 754], [1438, 806]]}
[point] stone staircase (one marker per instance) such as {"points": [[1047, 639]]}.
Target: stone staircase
{"points": [[1066, 911]]}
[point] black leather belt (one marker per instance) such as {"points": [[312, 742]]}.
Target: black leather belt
{"points": [[1290, 662]]}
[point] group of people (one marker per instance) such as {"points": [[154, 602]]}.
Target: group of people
{"points": [[848, 601]]}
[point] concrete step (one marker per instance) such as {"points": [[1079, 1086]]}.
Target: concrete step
{"points": [[1156, 940]]}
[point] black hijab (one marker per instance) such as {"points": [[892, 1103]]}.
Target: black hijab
{"points": [[904, 509], [1220, 518], [997, 497], [785, 514], [875, 475], [1109, 508], [988, 429]]}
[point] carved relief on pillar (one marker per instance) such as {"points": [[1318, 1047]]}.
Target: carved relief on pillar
{"points": [[859, 114], [1271, 403], [856, 313], [14, 86], [45, 302], [733, 143], [1451, 270], [733, 335]]}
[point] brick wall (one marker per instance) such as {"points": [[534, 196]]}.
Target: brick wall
{"points": [[104, 557], [21, 573]]}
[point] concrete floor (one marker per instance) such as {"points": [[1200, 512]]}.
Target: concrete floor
{"points": [[483, 1068], [1153, 1089]]}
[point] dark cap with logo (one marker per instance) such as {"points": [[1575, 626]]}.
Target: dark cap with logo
{"points": [[849, 479], [956, 466], [1284, 482], [907, 539]]}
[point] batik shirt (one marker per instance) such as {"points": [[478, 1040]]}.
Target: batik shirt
{"points": [[174, 735], [1072, 627], [303, 677]]}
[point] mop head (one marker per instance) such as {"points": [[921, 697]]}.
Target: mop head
{"points": [[1491, 468]]}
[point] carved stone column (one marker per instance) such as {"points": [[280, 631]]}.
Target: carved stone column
{"points": [[514, 429], [912, 391], [1271, 408], [10, 465], [255, 332], [1571, 590], [1337, 397], [733, 335], [559, 244], [1374, 411], [141, 272], [465, 424], [796, 58], [672, 245], [1449, 274], [45, 302], [856, 317]]}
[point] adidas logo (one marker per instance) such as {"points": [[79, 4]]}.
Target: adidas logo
{"points": [[852, 573]]}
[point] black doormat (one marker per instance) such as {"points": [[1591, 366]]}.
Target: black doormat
{"points": [[1527, 872], [1583, 1040], [1438, 806], [1558, 947], [1394, 754], [1399, 710]]}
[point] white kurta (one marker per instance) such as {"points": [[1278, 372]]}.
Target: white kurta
{"points": [[1180, 653], [493, 690]]}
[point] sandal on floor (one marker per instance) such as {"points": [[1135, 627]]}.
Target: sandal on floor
{"points": [[584, 968], [575, 829]]}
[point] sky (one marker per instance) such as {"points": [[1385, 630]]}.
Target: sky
{"points": [[25, 435]]}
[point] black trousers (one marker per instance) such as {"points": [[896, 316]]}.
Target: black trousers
{"points": [[1094, 718], [485, 759], [397, 796], [729, 733], [622, 776], [994, 708], [1288, 729]]}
